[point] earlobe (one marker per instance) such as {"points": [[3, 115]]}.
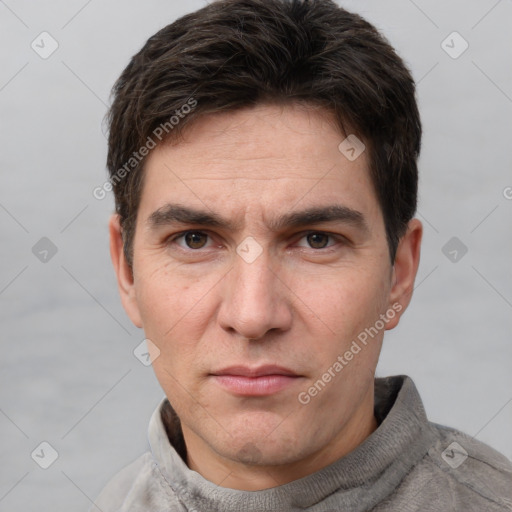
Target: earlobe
{"points": [[125, 280], [406, 264]]}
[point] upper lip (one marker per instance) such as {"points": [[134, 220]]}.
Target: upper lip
{"points": [[259, 371]]}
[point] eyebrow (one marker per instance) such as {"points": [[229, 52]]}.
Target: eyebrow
{"points": [[178, 214]]}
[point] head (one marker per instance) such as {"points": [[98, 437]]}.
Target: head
{"points": [[263, 156]]}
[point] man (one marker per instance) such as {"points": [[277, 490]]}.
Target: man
{"points": [[263, 155]]}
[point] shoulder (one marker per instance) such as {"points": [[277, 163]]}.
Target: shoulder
{"points": [[113, 495], [460, 473], [472, 463], [139, 487]]}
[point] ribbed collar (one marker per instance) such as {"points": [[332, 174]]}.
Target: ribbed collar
{"points": [[356, 482]]}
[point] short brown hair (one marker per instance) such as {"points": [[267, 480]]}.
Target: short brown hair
{"points": [[238, 53]]}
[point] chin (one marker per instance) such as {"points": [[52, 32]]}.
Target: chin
{"points": [[255, 448]]}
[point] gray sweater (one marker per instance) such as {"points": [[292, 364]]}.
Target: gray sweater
{"points": [[408, 464]]}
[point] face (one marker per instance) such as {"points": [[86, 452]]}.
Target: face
{"points": [[260, 260]]}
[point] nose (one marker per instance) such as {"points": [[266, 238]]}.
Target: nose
{"points": [[255, 299]]}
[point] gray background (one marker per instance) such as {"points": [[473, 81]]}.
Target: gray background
{"points": [[68, 373]]}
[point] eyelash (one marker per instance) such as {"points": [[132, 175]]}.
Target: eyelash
{"points": [[339, 238]]}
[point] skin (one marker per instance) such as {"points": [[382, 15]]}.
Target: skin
{"points": [[300, 304]]}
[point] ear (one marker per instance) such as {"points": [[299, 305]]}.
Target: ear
{"points": [[124, 274], [406, 264]]}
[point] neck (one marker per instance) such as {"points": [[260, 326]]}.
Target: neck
{"points": [[231, 474]]}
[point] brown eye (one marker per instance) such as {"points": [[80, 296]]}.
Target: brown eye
{"points": [[195, 239], [318, 240]]}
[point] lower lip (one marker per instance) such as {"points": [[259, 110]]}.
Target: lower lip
{"points": [[255, 386]]}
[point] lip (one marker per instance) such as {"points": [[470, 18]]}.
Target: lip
{"points": [[259, 371], [260, 381]]}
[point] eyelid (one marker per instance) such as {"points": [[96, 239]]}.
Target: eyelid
{"points": [[335, 236], [181, 234]]}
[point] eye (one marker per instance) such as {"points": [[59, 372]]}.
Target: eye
{"points": [[193, 239], [318, 240]]}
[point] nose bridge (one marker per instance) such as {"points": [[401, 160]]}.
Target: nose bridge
{"points": [[253, 301], [254, 280]]}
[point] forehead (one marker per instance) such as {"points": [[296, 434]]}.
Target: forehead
{"points": [[264, 159]]}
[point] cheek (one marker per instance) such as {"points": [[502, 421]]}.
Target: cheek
{"points": [[345, 301], [173, 317], [347, 305], [165, 298]]}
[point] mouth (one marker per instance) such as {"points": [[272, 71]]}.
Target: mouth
{"points": [[259, 381]]}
